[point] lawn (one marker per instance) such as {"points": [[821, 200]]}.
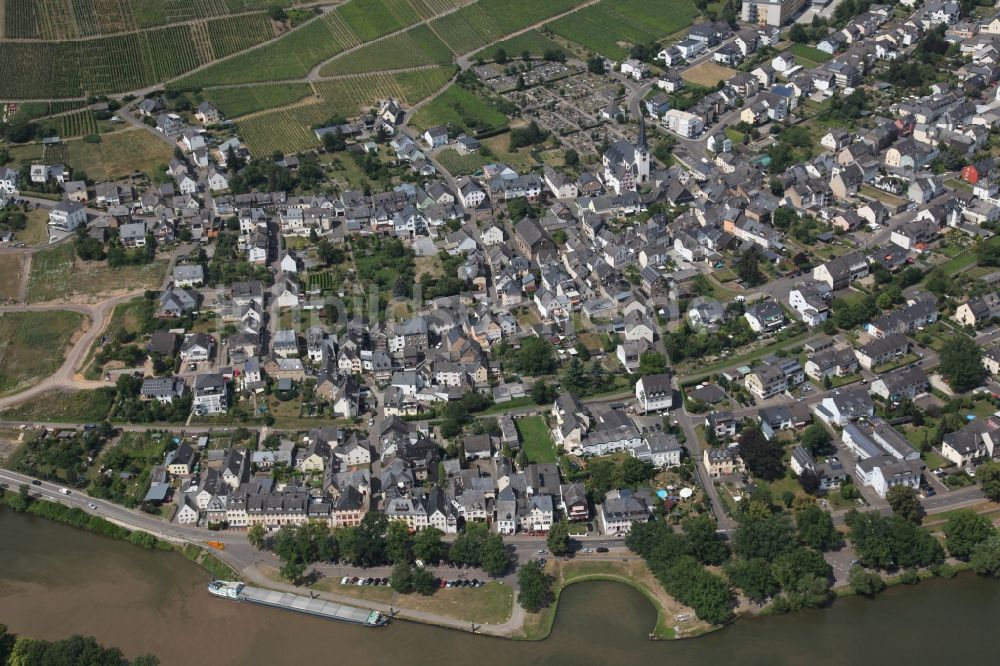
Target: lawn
{"points": [[56, 274], [520, 158], [11, 266], [959, 262], [33, 346], [119, 154], [63, 406], [461, 109], [37, 231], [895, 363], [535, 439], [809, 55], [708, 74], [489, 604]]}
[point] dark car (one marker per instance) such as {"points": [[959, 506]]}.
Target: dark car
{"points": [[36, 482], [601, 549]]}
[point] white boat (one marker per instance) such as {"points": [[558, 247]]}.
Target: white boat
{"points": [[225, 589]]}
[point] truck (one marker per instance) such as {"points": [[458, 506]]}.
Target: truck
{"points": [[64, 491]]}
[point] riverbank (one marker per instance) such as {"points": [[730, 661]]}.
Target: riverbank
{"points": [[673, 620]]}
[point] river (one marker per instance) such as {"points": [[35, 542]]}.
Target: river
{"points": [[56, 581]]}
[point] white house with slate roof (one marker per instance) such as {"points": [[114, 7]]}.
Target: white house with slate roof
{"points": [[654, 392]]}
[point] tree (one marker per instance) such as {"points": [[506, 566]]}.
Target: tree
{"points": [[558, 540], [816, 439], [500, 56], [21, 500], [571, 158], [989, 480], [494, 559], [871, 535], [765, 536], [423, 581], [985, 559], [965, 530], [706, 544], [595, 65], [398, 543], [905, 504], [277, 13], [536, 357], [292, 571], [536, 587], [652, 363], [961, 363], [428, 547], [747, 267], [256, 536], [401, 578], [865, 583], [815, 527], [762, 458], [754, 577]]}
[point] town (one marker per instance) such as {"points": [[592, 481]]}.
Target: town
{"points": [[737, 290]]}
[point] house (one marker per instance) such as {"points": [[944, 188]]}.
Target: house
{"points": [[883, 472], [435, 137], [705, 314], [661, 449], [978, 311], [176, 302], [187, 514], [810, 303], [880, 351], [180, 461], [831, 473], [189, 275], [973, 444], [843, 406], [162, 389], [766, 380], [721, 462], [765, 316], [839, 272], [919, 312], [723, 424], [831, 363], [991, 360], [620, 509], [635, 69], [655, 393], [197, 347], [573, 502], [899, 384], [210, 395], [208, 114], [64, 218]]}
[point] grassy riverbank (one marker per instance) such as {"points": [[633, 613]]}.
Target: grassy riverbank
{"points": [[635, 573]]}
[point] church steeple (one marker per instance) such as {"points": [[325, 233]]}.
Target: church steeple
{"points": [[643, 146]]}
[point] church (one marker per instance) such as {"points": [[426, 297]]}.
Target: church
{"points": [[627, 165]]}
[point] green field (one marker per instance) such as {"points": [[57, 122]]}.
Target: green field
{"points": [[290, 130], [474, 26], [79, 123], [462, 165], [609, 24], [33, 346], [55, 275], [64, 407], [461, 109], [116, 156], [410, 48], [11, 266], [535, 439], [369, 19], [234, 102], [531, 41], [809, 56]]}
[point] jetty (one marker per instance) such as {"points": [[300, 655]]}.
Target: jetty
{"points": [[298, 603]]}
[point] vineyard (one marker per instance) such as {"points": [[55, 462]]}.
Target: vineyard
{"points": [[290, 129], [369, 19], [473, 27], [461, 165], [411, 48], [321, 281], [430, 8], [234, 102], [604, 26], [231, 35], [79, 123], [461, 109]]}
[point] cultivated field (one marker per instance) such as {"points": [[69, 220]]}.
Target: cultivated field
{"points": [[708, 74], [531, 41], [461, 165], [57, 275], [79, 123], [461, 109], [33, 346], [369, 19], [611, 25]]}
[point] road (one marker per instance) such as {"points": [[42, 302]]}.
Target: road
{"points": [[65, 376]]}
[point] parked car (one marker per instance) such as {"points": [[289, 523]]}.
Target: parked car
{"points": [[602, 549]]}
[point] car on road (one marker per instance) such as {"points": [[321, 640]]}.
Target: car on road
{"points": [[541, 551], [36, 482], [64, 491], [601, 549], [92, 505]]}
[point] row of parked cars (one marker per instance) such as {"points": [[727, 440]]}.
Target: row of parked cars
{"points": [[354, 580]]}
